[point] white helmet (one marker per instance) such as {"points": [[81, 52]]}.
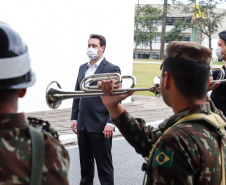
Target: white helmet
{"points": [[15, 69]]}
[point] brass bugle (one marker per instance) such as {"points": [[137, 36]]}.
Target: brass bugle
{"points": [[222, 74], [54, 94]]}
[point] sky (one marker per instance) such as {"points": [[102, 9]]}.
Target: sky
{"points": [[149, 1], [223, 5]]}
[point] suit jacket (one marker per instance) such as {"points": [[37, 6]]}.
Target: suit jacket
{"points": [[91, 112]]}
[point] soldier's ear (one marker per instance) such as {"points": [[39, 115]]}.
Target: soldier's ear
{"points": [[167, 80], [21, 92]]}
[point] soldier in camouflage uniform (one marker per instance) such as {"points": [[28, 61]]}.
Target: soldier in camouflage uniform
{"points": [[15, 140], [186, 153]]}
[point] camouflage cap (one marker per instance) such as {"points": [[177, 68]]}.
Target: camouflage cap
{"points": [[189, 51]]}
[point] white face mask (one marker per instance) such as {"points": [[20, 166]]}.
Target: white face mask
{"points": [[218, 52], [92, 53]]}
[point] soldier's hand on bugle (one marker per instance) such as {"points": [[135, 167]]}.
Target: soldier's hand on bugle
{"points": [[211, 87], [112, 102], [214, 85]]}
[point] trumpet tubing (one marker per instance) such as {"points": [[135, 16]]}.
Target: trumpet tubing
{"points": [[54, 94], [221, 79]]}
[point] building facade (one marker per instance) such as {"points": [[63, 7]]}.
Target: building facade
{"points": [[142, 51]]}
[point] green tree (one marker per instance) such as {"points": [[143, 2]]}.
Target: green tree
{"points": [[206, 18], [147, 22], [163, 29], [176, 33]]}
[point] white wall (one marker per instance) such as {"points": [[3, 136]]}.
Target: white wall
{"points": [[57, 31]]}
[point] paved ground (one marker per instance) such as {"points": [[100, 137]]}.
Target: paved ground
{"points": [[152, 110]]}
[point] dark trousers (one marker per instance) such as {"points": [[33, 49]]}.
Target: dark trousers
{"points": [[95, 146]]}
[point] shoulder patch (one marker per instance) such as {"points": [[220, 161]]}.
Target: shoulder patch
{"points": [[163, 158]]}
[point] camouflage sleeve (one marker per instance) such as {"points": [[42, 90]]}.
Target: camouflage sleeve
{"points": [[176, 159], [56, 163], [135, 131]]}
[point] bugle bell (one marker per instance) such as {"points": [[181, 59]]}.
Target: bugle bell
{"points": [[54, 94], [222, 74]]}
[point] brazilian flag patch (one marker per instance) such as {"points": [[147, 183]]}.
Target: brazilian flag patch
{"points": [[163, 158]]}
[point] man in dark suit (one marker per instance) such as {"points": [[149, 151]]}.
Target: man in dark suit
{"points": [[91, 120]]}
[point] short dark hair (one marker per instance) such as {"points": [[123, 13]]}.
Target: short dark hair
{"points": [[191, 78], [6, 95], [224, 41], [100, 37]]}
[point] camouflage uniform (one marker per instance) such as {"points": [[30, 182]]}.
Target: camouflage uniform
{"points": [[188, 154], [15, 155]]}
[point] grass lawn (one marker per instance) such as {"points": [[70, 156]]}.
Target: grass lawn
{"points": [[145, 74], [147, 60], [220, 64]]}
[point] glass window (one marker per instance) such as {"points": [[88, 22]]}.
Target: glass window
{"points": [[145, 55], [169, 21], [157, 39], [155, 56], [175, 18], [187, 38], [188, 19], [167, 41]]}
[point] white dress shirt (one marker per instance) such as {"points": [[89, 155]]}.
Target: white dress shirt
{"points": [[91, 70]]}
